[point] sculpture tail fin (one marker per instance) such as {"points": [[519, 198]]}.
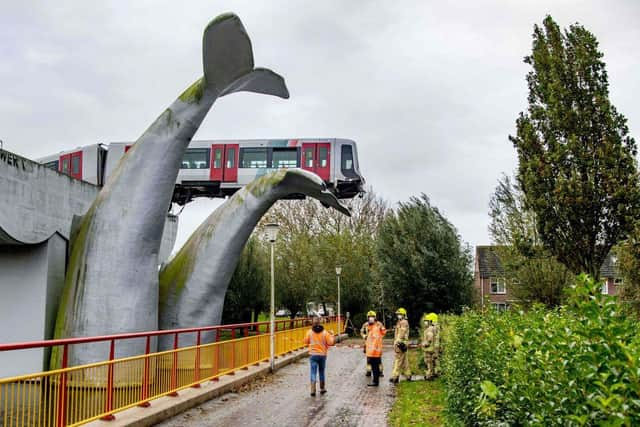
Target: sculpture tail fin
{"points": [[228, 61]]}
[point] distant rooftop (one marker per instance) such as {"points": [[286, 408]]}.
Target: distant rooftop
{"points": [[489, 263]]}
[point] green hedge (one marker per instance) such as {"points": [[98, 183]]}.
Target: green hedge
{"points": [[578, 365]]}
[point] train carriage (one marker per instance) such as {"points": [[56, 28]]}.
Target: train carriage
{"points": [[218, 168], [84, 163]]}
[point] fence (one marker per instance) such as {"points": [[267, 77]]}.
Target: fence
{"points": [[78, 394]]}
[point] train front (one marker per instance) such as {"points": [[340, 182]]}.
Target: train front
{"points": [[349, 182]]}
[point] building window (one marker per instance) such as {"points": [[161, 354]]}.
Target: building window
{"points": [[253, 158], [618, 281], [195, 158], [498, 286], [604, 289], [499, 306], [285, 158]]}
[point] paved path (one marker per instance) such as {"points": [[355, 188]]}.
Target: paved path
{"points": [[283, 399]]}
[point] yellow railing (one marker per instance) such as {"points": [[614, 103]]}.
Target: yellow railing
{"points": [[81, 394]]}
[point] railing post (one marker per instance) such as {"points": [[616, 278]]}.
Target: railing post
{"points": [[174, 368], [144, 393], [216, 357], [109, 401], [233, 352], [258, 354], [62, 391], [196, 370], [246, 348]]}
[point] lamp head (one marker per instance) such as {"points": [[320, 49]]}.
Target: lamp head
{"points": [[271, 230]]}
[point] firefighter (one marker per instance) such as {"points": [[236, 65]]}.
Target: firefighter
{"points": [[400, 346], [430, 345], [363, 333], [373, 347], [437, 345], [319, 341]]}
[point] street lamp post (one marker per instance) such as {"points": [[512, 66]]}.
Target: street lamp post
{"points": [[338, 271], [271, 230]]}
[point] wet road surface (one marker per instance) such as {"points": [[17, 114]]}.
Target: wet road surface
{"points": [[283, 399]]}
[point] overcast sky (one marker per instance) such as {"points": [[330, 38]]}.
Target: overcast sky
{"points": [[429, 89]]}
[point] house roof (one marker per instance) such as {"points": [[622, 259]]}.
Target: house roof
{"points": [[488, 261]]}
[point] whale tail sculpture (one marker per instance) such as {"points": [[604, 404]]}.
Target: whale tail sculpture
{"points": [[194, 283], [111, 285]]}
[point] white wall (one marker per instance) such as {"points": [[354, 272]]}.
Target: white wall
{"points": [[32, 279]]}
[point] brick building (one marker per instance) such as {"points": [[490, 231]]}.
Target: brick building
{"points": [[490, 281]]}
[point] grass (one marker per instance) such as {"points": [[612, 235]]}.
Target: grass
{"points": [[418, 403]]}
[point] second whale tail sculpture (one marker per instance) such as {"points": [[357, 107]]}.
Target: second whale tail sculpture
{"points": [[111, 284], [194, 283]]}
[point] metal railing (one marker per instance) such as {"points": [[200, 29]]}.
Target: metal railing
{"points": [[79, 394]]}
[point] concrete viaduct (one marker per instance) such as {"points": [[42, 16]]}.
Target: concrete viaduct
{"points": [[36, 214]]}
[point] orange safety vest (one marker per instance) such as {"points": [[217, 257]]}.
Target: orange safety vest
{"points": [[319, 342], [374, 339]]}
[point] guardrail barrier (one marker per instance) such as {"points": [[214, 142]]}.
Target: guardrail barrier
{"points": [[74, 395]]}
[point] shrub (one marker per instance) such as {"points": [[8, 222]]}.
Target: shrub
{"points": [[576, 365]]}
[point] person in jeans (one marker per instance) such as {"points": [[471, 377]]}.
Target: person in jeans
{"points": [[319, 342]]}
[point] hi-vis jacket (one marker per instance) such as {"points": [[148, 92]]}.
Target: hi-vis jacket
{"points": [[319, 342], [375, 333]]}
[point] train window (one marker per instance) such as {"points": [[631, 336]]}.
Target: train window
{"points": [[253, 158], [52, 165], [65, 165], [231, 158], [323, 154], [284, 158], [75, 165], [308, 156], [195, 158], [217, 158], [347, 158]]}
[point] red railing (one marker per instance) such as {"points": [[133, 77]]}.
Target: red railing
{"points": [[62, 389]]}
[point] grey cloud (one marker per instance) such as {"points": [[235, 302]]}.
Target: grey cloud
{"points": [[430, 90]]}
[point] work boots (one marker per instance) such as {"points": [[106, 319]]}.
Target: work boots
{"points": [[322, 389], [313, 389]]}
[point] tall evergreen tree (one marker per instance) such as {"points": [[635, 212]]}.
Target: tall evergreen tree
{"points": [[246, 295], [533, 274], [423, 264], [576, 159]]}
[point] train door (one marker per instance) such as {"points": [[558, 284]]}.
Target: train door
{"points": [[71, 164], [316, 158], [76, 165], [65, 164], [231, 157], [308, 157], [217, 162], [323, 154]]}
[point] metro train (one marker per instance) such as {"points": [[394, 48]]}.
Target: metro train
{"points": [[218, 168]]}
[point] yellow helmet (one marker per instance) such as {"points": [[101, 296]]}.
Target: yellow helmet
{"points": [[371, 313], [401, 311], [432, 317]]}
